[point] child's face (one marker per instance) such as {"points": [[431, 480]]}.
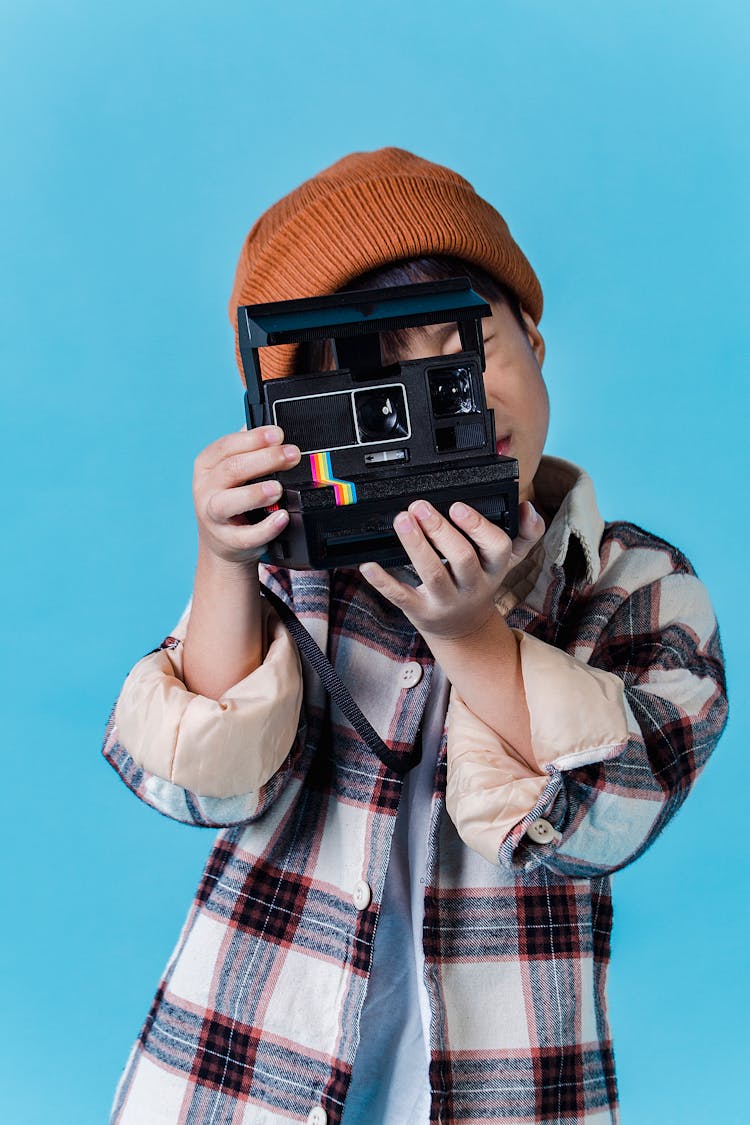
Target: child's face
{"points": [[513, 383]]}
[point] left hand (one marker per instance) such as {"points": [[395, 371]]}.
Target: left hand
{"points": [[456, 599]]}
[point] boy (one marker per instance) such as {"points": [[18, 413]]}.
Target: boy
{"points": [[427, 942]]}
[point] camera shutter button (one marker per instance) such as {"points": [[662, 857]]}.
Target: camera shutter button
{"points": [[411, 673]]}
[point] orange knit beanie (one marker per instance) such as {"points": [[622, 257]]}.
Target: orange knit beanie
{"points": [[366, 210]]}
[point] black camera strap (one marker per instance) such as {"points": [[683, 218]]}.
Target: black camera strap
{"points": [[326, 673]]}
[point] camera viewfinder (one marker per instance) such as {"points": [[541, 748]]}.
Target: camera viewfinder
{"points": [[451, 392]]}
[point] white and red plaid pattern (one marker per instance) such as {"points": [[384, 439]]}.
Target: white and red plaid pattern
{"points": [[256, 1019]]}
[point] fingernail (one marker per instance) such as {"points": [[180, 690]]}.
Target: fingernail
{"points": [[272, 434], [367, 570], [271, 488], [534, 514], [404, 523], [421, 509], [290, 452], [459, 510]]}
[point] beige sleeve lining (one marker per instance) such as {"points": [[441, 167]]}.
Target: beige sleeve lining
{"points": [[578, 716], [214, 748]]}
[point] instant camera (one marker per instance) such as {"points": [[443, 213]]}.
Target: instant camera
{"points": [[375, 436]]}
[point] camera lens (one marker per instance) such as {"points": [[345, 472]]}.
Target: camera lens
{"points": [[381, 413], [451, 392]]}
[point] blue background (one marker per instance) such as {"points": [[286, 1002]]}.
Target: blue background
{"points": [[139, 143]]}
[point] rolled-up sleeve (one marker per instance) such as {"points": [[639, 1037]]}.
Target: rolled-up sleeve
{"points": [[204, 760], [614, 752]]}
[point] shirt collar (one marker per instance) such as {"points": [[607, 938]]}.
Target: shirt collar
{"points": [[564, 488]]}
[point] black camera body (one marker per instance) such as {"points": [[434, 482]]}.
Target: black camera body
{"points": [[374, 437]]}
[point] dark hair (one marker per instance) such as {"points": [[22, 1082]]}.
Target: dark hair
{"points": [[317, 354]]}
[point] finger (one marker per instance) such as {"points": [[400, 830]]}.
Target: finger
{"points": [[497, 551], [254, 536], [529, 518], [491, 544], [531, 529], [397, 592], [229, 445], [241, 468], [232, 502], [461, 556], [422, 554]]}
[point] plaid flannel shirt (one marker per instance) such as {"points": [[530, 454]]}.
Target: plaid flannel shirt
{"points": [[256, 1019]]}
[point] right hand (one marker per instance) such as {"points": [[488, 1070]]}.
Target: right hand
{"points": [[228, 482]]}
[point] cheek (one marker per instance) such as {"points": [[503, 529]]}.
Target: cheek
{"points": [[542, 406], [521, 395], [538, 426]]}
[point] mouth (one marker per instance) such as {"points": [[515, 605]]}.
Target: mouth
{"points": [[502, 445]]}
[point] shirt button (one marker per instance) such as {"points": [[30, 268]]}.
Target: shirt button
{"points": [[411, 673], [542, 831], [317, 1116], [362, 896]]}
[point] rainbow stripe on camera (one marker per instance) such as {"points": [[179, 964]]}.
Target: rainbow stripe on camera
{"points": [[344, 491]]}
